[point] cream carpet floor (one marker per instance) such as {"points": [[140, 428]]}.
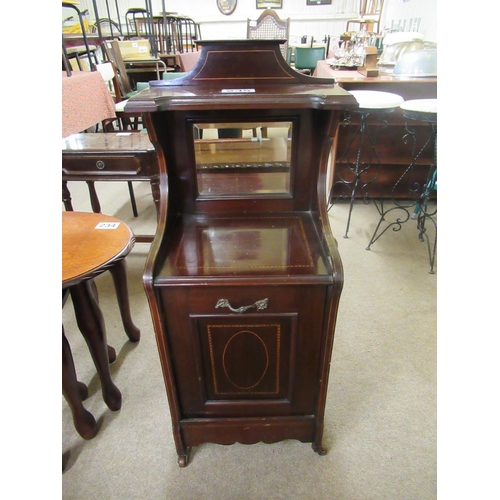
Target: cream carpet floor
{"points": [[380, 422]]}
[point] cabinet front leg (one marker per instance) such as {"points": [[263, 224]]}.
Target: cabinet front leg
{"points": [[319, 449], [317, 446], [183, 460]]}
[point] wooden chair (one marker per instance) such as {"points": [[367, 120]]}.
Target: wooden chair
{"points": [[112, 52], [270, 27], [135, 13], [135, 58], [125, 120], [369, 15], [171, 34], [306, 58], [122, 84], [189, 32]]}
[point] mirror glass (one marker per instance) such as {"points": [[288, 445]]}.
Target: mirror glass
{"points": [[242, 159]]}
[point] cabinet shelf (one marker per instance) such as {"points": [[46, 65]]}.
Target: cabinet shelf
{"points": [[263, 245]]}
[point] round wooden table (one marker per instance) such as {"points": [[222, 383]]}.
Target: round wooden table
{"points": [[92, 244]]}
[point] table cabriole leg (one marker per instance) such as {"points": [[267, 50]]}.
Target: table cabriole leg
{"points": [[91, 324], [111, 349], [119, 275], [74, 392]]}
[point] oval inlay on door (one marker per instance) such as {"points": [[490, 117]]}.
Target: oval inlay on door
{"points": [[245, 360]]}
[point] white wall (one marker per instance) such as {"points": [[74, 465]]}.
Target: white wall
{"points": [[316, 21], [404, 11]]}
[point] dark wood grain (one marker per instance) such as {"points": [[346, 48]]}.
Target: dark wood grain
{"points": [[260, 374]]}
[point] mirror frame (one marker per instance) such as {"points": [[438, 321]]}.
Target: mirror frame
{"points": [[227, 7]]}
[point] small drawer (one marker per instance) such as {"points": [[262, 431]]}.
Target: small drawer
{"points": [[104, 164]]}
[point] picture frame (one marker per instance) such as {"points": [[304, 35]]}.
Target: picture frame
{"points": [[226, 7], [269, 4], [318, 2]]}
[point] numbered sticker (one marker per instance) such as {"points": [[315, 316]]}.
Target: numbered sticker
{"points": [[238, 91], [107, 225]]}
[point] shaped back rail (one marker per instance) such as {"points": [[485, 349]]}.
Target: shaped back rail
{"points": [[270, 27]]}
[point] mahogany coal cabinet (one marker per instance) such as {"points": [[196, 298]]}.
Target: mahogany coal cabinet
{"points": [[243, 277]]}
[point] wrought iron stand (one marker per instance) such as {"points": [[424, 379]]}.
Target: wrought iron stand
{"points": [[416, 206], [364, 167]]}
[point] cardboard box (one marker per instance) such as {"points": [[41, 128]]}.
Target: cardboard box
{"points": [[135, 49]]}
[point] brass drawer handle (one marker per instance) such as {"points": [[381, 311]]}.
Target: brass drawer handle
{"points": [[100, 164], [259, 305]]}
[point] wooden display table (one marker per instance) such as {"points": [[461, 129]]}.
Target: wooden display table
{"points": [[92, 244], [243, 277]]}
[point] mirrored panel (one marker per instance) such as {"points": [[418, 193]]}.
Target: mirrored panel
{"points": [[242, 159]]}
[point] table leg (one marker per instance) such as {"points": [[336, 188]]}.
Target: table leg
{"points": [[119, 274], [94, 200], [91, 323], [111, 349], [155, 191], [132, 198], [74, 392], [66, 197]]}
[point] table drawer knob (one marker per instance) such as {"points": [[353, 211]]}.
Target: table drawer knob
{"points": [[259, 305], [100, 164]]}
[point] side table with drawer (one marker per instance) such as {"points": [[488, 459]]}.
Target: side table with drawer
{"points": [[121, 156]]}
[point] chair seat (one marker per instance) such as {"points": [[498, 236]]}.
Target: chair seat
{"points": [[80, 49], [135, 92], [120, 106], [420, 105], [420, 109], [372, 99]]}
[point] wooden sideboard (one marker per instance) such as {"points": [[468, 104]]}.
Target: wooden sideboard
{"points": [[243, 277], [394, 153]]}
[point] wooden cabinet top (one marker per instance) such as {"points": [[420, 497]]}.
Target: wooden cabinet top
{"points": [[241, 74]]}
